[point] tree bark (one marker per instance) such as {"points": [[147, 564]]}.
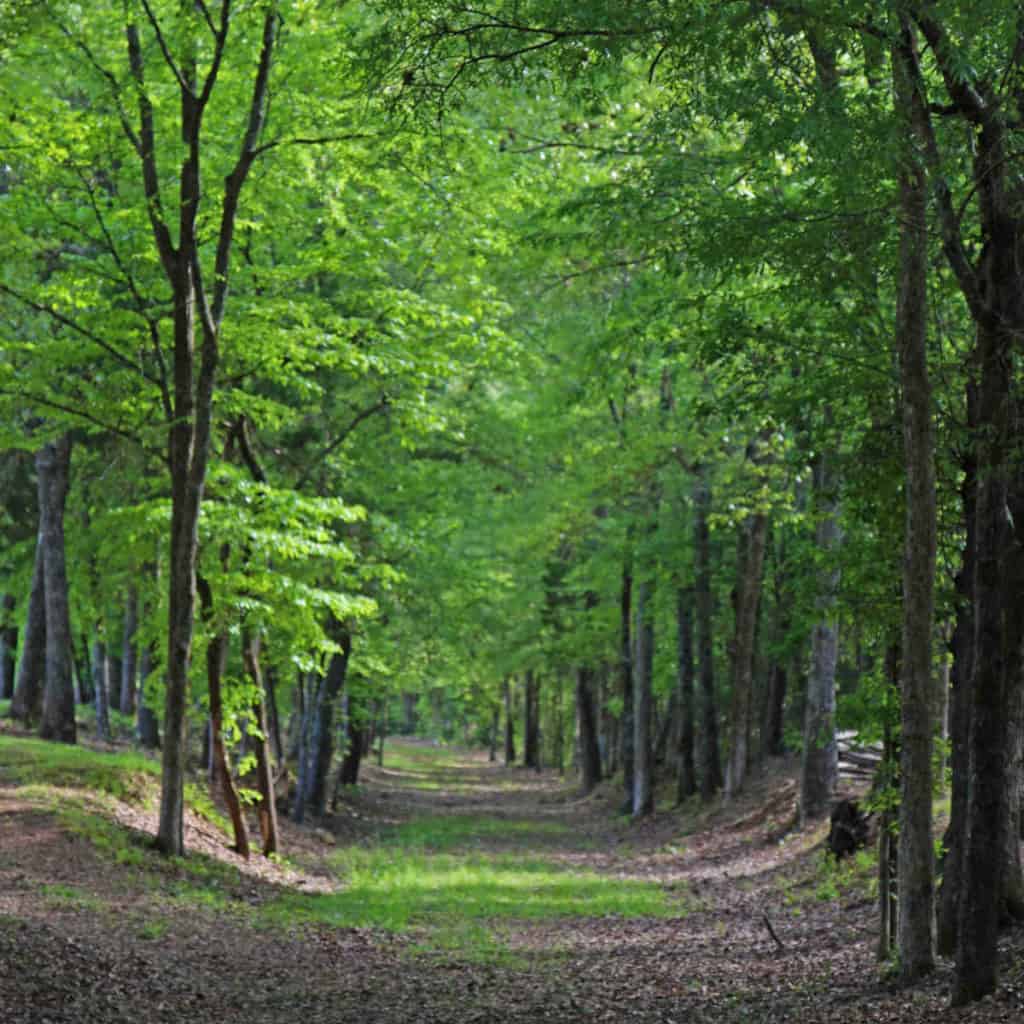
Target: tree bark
{"points": [[819, 768], [686, 779], [627, 736], [348, 774], [8, 647], [100, 689], [643, 700], [53, 465], [711, 760], [129, 653], [750, 574], [586, 712], [510, 725], [216, 661], [147, 726], [264, 774], [321, 746], [916, 850], [27, 703], [531, 722]]}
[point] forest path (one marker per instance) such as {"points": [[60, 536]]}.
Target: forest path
{"points": [[450, 890]]}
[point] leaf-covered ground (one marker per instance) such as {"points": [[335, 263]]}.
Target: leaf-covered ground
{"points": [[448, 889]]}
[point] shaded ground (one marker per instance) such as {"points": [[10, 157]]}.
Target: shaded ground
{"points": [[86, 938]]}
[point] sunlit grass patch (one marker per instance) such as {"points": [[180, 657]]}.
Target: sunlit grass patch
{"points": [[70, 898], [444, 834], [127, 776], [453, 902]]}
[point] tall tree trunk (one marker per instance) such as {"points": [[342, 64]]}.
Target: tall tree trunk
{"points": [[586, 712], [129, 653], [492, 738], [27, 703], [531, 722], [53, 465], [8, 646], [264, 775], [100, 689], [510, 724], [348, 774], [216, 661], [321, 746], [274, 715], [960, 711], [773, 727], [916, 852], [686, 779], [819, 768], [627, 736], [751, 572], [711, 760], [643, 700], [147, 726]]}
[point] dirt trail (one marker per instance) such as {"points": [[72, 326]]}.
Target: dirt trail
{"points": [[83, 938]]}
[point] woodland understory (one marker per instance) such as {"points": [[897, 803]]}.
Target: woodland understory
{"points": [[757, 925]]}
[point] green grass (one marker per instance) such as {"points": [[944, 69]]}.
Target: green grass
{"points": [[31, 762], [440, 835], [457, 902], [67, 896]]}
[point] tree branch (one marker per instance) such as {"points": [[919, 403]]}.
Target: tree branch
{"points": [[147, 154], [364, 414]]}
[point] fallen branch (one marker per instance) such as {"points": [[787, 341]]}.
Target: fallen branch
{"points": [[771, 931]]}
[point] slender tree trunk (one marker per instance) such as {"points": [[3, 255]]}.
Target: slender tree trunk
{"points": [[627, 735], [129, 653], [590, 750], [492, 739], [147, 726], [751, 572], [820, 762], [53, 464], [916, 852], [510, 724], [686, 780], [960, 712], [27, 703], [321, 748], [773, 727], [8, 646], [711, 760], [643, 701], [348, 775], [274, 715], [264, 774], [216, 661], [531, 722], [100, 689]]}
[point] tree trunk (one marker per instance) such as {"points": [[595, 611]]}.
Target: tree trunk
{"points": [[590, 750], [960, 710], [27, 703], [53, 465], [916, 851], [146, 725], [686, 780], [751, 571], [643, 701], [216, 661], [129, 653], [711, 760], [321, 746], [510, 724], [531, 722], [492, 738], [8, 646], [348, 774], [819, 769], [627, 737], [264, 775], [100, 689]]}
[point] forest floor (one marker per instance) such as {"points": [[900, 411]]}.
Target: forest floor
{"points": [[446, 889]]}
